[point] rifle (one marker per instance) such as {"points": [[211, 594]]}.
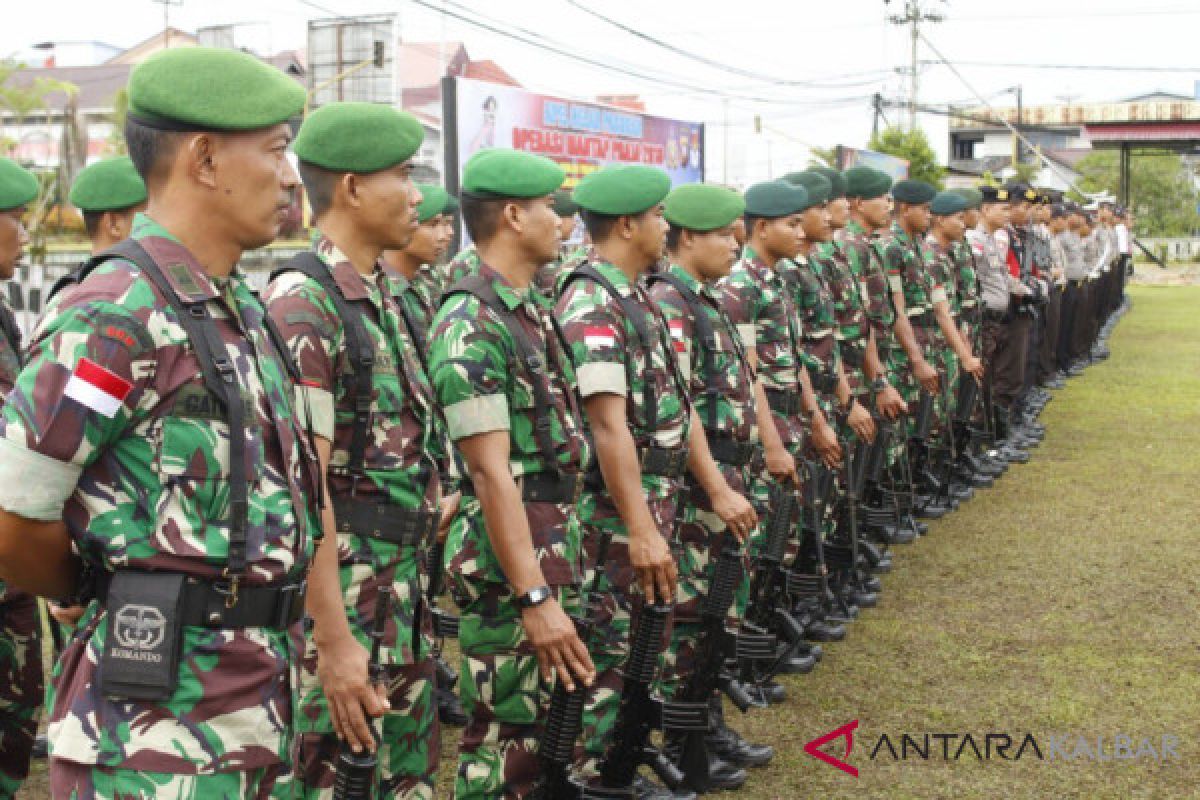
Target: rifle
{"points": [[445, 624], [811, 590], [355, 775]]}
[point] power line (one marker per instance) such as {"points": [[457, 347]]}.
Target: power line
{"points": [[913, 16], [1077, 67]]}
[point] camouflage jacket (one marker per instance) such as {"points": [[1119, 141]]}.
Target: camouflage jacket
{"points": [[852, 327], [865, 256], [806, 280], [966, 280], [483, 387], [10, 345], [943, 270], [549, 277], [907, 260], [611, 358], [464, 264], [112, 415], [719, 363], [397, 467], [760, 305]]}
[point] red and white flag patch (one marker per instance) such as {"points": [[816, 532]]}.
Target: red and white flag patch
{"points": [[675, 326], [94, 387], [599, 336]]}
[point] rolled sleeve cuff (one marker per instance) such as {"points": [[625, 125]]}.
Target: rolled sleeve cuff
{"points": [[42, 499], [602, 378], [895, 283], [939, 296], [476, 415], [320, 403], [749, 334]]}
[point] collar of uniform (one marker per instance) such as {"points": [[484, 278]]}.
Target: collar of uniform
{"points": [[615, 274], [512, 297], [688, 279], [352, 283], [899, 232], [182, 270], [854, 229]]}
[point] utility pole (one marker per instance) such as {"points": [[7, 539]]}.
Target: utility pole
{"points": [[725, 142], [166, 4], [913, 17]]}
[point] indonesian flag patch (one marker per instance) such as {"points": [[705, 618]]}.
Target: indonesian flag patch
{"points": [[599, 336], [94, 387], [675, 326]]}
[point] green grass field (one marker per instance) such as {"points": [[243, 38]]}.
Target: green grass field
{"points": [[1062, 601]]}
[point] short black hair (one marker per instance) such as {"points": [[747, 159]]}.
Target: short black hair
{"points": [[599, 226], [91, 222], [750, 219], [674, 232], [148, 147], [481, 215], [319, 185]]}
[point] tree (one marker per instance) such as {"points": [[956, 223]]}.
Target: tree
{"points": [[1162, 192], [913, 146], [20, 101], [823, 157]]}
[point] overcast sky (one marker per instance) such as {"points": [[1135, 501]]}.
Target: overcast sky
{"points": [[844, 50]]}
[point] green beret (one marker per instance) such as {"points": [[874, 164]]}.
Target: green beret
{"points": [[564, 206], [434, 200], [867, 182], [993, 194], [913, 192], [211, 89], [945, 203], [358, 137], [109, 185], [703, 207], [17, 185], [836, 180], [776, 199], [500, 172], [972, 197], [818, 186], [622, 189]]}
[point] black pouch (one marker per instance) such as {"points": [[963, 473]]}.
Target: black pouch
{"points": [[140, 660]]}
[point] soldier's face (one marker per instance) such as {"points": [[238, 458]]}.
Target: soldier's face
{"points": [[445, 234], [971, 217], [739, 231], [386, 205], [954, 226], [816, 223], [1019, 214], [539, 229], [254, 180], [916, 217], [839, 212], [714, 252], [650, 233], [995, 214], [876, 210], [783, 236], [566, 226], [13, 241], [423, 244]]}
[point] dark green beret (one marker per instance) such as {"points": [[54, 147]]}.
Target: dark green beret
{"points": [[358, 137], [776, 199], [945, 203], [703, 207], [622, 189], [17, 185], [211, 89], [913, 192], [993, 194], [564, 206], [818, 186], [867, 182], [109, 185], [434, 200], [972, 197], [836, 180], [500, 172]]}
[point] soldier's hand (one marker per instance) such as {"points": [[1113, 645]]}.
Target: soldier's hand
{"points": [[861, 422], [560, 651], [927, 376], [65, 615], [651, 559], [826, 444], [342, 669], [781, 465], [890, 403], [973, 366], [449, 508], [736, 512]]}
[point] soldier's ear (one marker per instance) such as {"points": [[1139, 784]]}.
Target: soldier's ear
{"points": [[199, 155]]}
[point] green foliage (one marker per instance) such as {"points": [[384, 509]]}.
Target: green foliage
{"points": [[913, 146], [1162, 194], [823, 157]]}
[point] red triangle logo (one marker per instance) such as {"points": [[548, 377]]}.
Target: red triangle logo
{"points": [[846, 732]]}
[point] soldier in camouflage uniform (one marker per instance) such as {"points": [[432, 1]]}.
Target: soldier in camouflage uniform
{"points": [[712, 359], [506, 383], [761, 305], [384, 487], [640, 418], [570, 255], [20, 642], [176, 481], [414, 270]]}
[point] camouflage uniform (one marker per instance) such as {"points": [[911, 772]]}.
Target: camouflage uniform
{"points": [[943, 270], [483, 387], [611, 358], [464, 264], [722, 384], [852, 329], [397, 473], [140, 479], [549, 277], [20, 634]]}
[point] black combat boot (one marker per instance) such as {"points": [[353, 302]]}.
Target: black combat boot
{"points": [[728, 744]]}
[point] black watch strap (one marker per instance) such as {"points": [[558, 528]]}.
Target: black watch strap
{"points": [[534, 597]]}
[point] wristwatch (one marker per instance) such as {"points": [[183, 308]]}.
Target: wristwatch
{"points": [[534, 597]]}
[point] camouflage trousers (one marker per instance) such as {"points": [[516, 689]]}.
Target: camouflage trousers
{"points": [[410, 742], [71, 781], [616, 600], [700, 530], [21, 686], [502, 692]]}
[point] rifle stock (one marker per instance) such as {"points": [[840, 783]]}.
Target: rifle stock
{"points": [[355, 776]]}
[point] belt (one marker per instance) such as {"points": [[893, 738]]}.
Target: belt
{"points": [[784, 402], [923, 320], [543, 487], [223, 604], [996, 316], [384, 521], [657, 460], [734, 452], [853, 354], [824, 383]]}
